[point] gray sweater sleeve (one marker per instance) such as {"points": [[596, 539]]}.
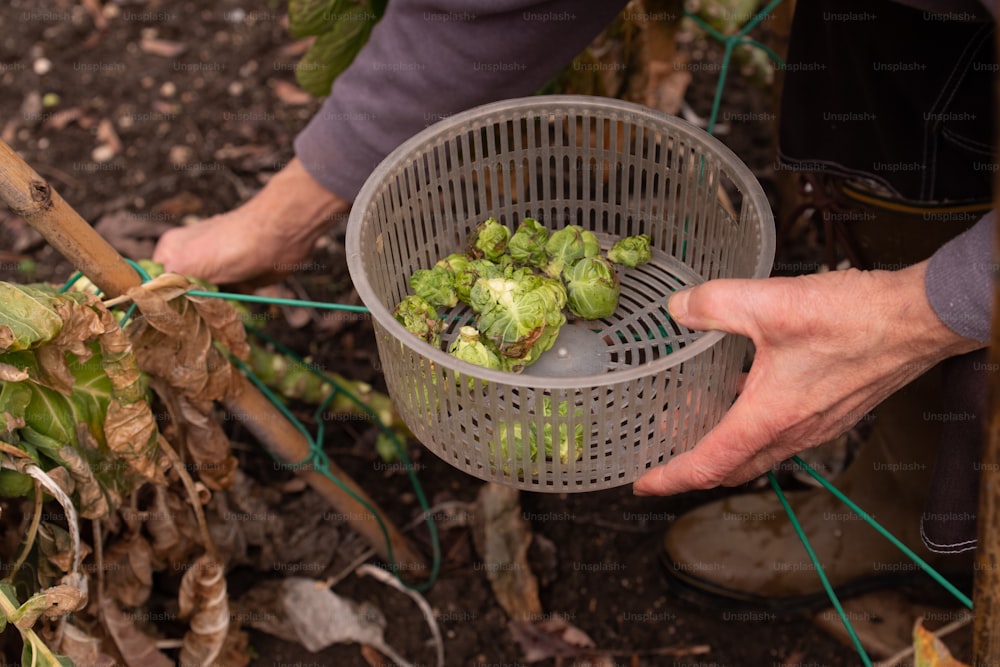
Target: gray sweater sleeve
{"points": [[429, 59], [959, 281]]}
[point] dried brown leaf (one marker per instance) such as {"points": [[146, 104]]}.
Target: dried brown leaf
{"points": [[59, 120], [81, 324], [929, 650], [164, 48], [225, 324], [56, 545], [10, 373], [173, 528], [106, 135], [174, 341], [181, 204], [203, 597], [289, 93], [92, 499], [137, 649], [129, 570], [63, 599], [502, 538], [82, 649], [131, 433], [550, 638], [207, 444]]}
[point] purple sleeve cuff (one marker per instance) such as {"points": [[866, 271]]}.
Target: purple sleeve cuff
{"points": [[428, 60], [959, 281]]}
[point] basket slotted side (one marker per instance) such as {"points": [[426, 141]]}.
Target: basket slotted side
{"points": [[616, 169]]}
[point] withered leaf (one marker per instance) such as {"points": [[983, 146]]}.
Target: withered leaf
{"points": [[162, 47], [204, 599], [175, 342], [129, 575], [207, 444], [549, 638], [10, 373], [131, 433], [137, 649], [83, 649], [929, 651], [92, 501], [63, 599], [502, 538], [172, 526]]}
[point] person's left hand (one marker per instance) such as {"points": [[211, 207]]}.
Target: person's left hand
{"points": [[829, 348]]}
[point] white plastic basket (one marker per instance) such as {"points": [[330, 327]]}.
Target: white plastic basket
{"points": [[651, 388]]}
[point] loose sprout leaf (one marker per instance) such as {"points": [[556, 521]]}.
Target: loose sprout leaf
{"points": [[312, 17], [334, 50]]}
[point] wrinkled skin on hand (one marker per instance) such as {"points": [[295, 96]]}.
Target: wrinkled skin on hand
{"points": [[829, 348]]}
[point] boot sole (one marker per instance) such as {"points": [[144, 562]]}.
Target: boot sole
{"points": [[711, 595]]}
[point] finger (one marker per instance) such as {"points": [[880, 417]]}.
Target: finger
{"points": [[728, 452], [718, 305]]}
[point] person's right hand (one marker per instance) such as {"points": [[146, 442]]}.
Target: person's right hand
{"points": [[269, 236], [829, 348]]}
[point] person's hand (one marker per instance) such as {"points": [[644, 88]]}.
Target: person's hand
{"points": [[829, 348], [264, 239]]}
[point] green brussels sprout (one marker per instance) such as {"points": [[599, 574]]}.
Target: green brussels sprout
{"points": [[592, 288], [489, 240], [510, 314], [631, 251], [511, 436], [462, 274], [527, 245], [435, 285], [470, 347], [568, 245], [420, 318]]}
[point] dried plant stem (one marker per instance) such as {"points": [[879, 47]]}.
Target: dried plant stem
{"points": [[192, 492], [99, 559], [29, 539]]}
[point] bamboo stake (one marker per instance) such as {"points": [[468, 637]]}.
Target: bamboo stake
{"points": [[30, 196], [986, 592]]}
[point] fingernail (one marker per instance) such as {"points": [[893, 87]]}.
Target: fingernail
{"points": [[636, 491], [677, 305]]}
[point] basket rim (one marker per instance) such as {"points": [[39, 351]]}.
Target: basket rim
{"points": [[473, 119]]}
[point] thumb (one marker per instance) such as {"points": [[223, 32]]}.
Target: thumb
{"points": [[718, 305]]}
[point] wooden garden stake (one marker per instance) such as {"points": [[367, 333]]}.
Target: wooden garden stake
{"points": [[31, 197], [986, 592]]}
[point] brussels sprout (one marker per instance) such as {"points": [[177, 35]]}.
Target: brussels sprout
{"points": [[568, 245], [462, 274], [592, 288], [470, 347], [511, 436], [435, 285], [489, 240], [420, 318], [527, 245], [631, 251], [511, 314]]}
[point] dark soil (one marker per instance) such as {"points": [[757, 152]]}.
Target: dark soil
{"points": [[200, 131]]}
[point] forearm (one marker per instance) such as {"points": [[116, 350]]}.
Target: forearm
{"points": [[428, 60]]}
